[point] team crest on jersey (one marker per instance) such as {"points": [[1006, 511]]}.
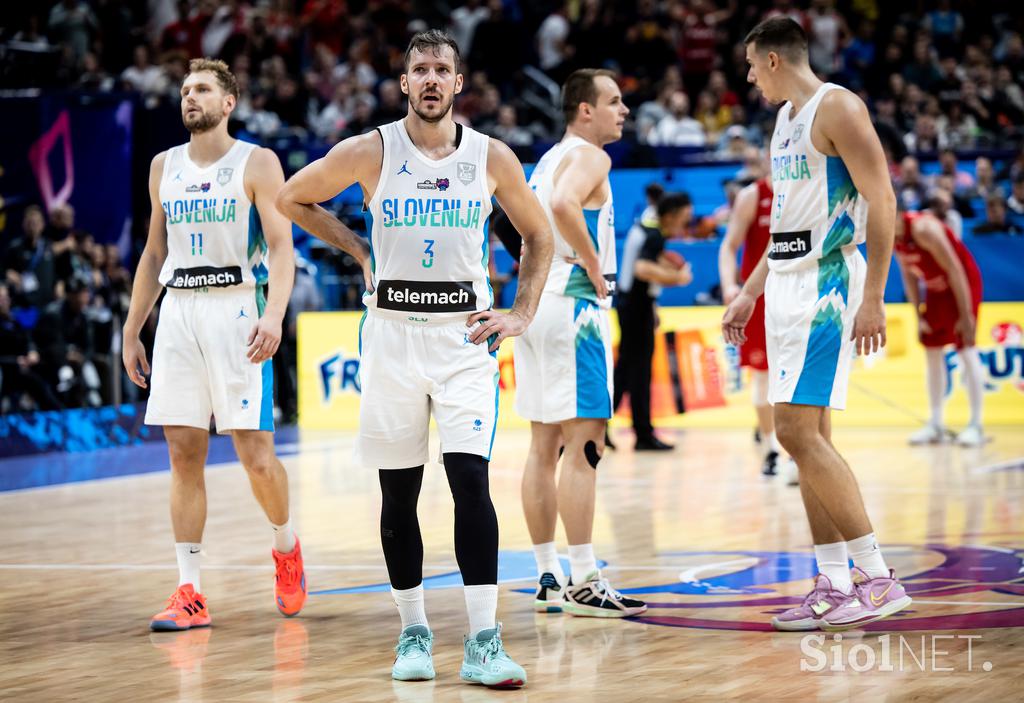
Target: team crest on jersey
{"points": [[797, 133], [224, 175], [467, 172]]}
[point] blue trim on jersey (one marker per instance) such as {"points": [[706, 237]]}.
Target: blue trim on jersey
{"points": [[824, 344], [494, 425], [257, 243], [839, 184], [368, 219], [486, 258], [267, 403], [593, 220], [592, 398], [839, 235]]}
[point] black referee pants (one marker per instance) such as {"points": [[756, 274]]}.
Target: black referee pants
{"points": [[633, 369]]}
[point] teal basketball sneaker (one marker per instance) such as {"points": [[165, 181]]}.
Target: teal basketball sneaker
{"points": [[413, 661], [486, 662]]}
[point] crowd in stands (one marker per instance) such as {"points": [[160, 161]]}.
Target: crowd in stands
{"points": [[61, 296], [63, 299], [933, 74], [938, 80]]}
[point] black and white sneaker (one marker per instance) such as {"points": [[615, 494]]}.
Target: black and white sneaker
{"points": [[771, 461], [549, 594], [596, 598]]}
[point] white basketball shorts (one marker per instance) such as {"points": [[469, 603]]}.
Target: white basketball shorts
{"points": [[200, 367], [809, 317], [563, 362], [409, 370]]}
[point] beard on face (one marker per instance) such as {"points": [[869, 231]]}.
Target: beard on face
{"points": [[203, 123], [444, 108]]}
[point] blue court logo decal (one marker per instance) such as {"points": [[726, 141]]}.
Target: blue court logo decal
{"points": [[953, 588]]}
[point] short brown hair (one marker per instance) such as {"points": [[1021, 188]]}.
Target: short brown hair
{"points": [[434, 40], [580, 87], [225, 78], [781, 35]]}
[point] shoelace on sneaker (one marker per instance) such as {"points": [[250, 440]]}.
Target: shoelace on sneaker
{"points": [[493, 649], [287, 573], [606, 590], [180, 601], [407, 642]]}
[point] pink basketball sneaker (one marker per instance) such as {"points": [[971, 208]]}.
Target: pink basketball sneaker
{"points": [[821, 600], [872, 599]]}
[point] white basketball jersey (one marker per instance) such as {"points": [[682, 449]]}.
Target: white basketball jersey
{"points": [[214, 236], [817, 211], [428, 249], [565, 278]]}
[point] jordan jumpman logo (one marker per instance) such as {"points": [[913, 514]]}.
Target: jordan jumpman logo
{"points": [[404, 169]]}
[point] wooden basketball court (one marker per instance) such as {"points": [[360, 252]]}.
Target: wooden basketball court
{"points": [[713, 547]]}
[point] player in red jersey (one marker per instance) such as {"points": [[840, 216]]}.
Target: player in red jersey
{"points": [[943, 283], [748, 228]]}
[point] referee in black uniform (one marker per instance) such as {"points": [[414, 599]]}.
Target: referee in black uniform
{"points": [[645, 269]]}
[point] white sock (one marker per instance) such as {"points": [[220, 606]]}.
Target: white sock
{"points": [[768, 444], [284, 537], [834, 564], [936, 362], [547, 561], [481, 606], [582, 562], [410, 605], [867, 556], [188, 563], [970, 367]]}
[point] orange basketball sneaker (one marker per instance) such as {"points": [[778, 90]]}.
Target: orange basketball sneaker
{"points": [[290, 581], [184, 610]]}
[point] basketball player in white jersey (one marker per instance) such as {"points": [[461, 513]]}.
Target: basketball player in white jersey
{"points": [[212, 226], [564, 360], [429, 336], [823, 303]]}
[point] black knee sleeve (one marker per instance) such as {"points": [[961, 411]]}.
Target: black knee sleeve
{"points": [[399, 526], [591, 453], [476, 524]]}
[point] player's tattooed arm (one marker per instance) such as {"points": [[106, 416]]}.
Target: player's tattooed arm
{"points": [[355, 160], [146, 287], [524, 211]]}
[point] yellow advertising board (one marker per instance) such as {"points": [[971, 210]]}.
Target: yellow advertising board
{"points": [[694, 369]]}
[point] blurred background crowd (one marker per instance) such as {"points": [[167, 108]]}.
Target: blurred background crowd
{"points": [[942, 79]]}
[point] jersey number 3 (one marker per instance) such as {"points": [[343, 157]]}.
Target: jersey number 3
{"points": [[429, 251]]}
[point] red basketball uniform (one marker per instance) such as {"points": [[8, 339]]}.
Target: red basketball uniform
{"points": [[939, 309], [753, 352]]}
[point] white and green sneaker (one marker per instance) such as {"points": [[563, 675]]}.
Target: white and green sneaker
{"points": [[595, 598], [414, 662], [486, 662]]}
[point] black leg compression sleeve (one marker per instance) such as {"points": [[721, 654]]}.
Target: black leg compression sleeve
{"points": [[592, 455], [476, 524], [399, 526]]}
